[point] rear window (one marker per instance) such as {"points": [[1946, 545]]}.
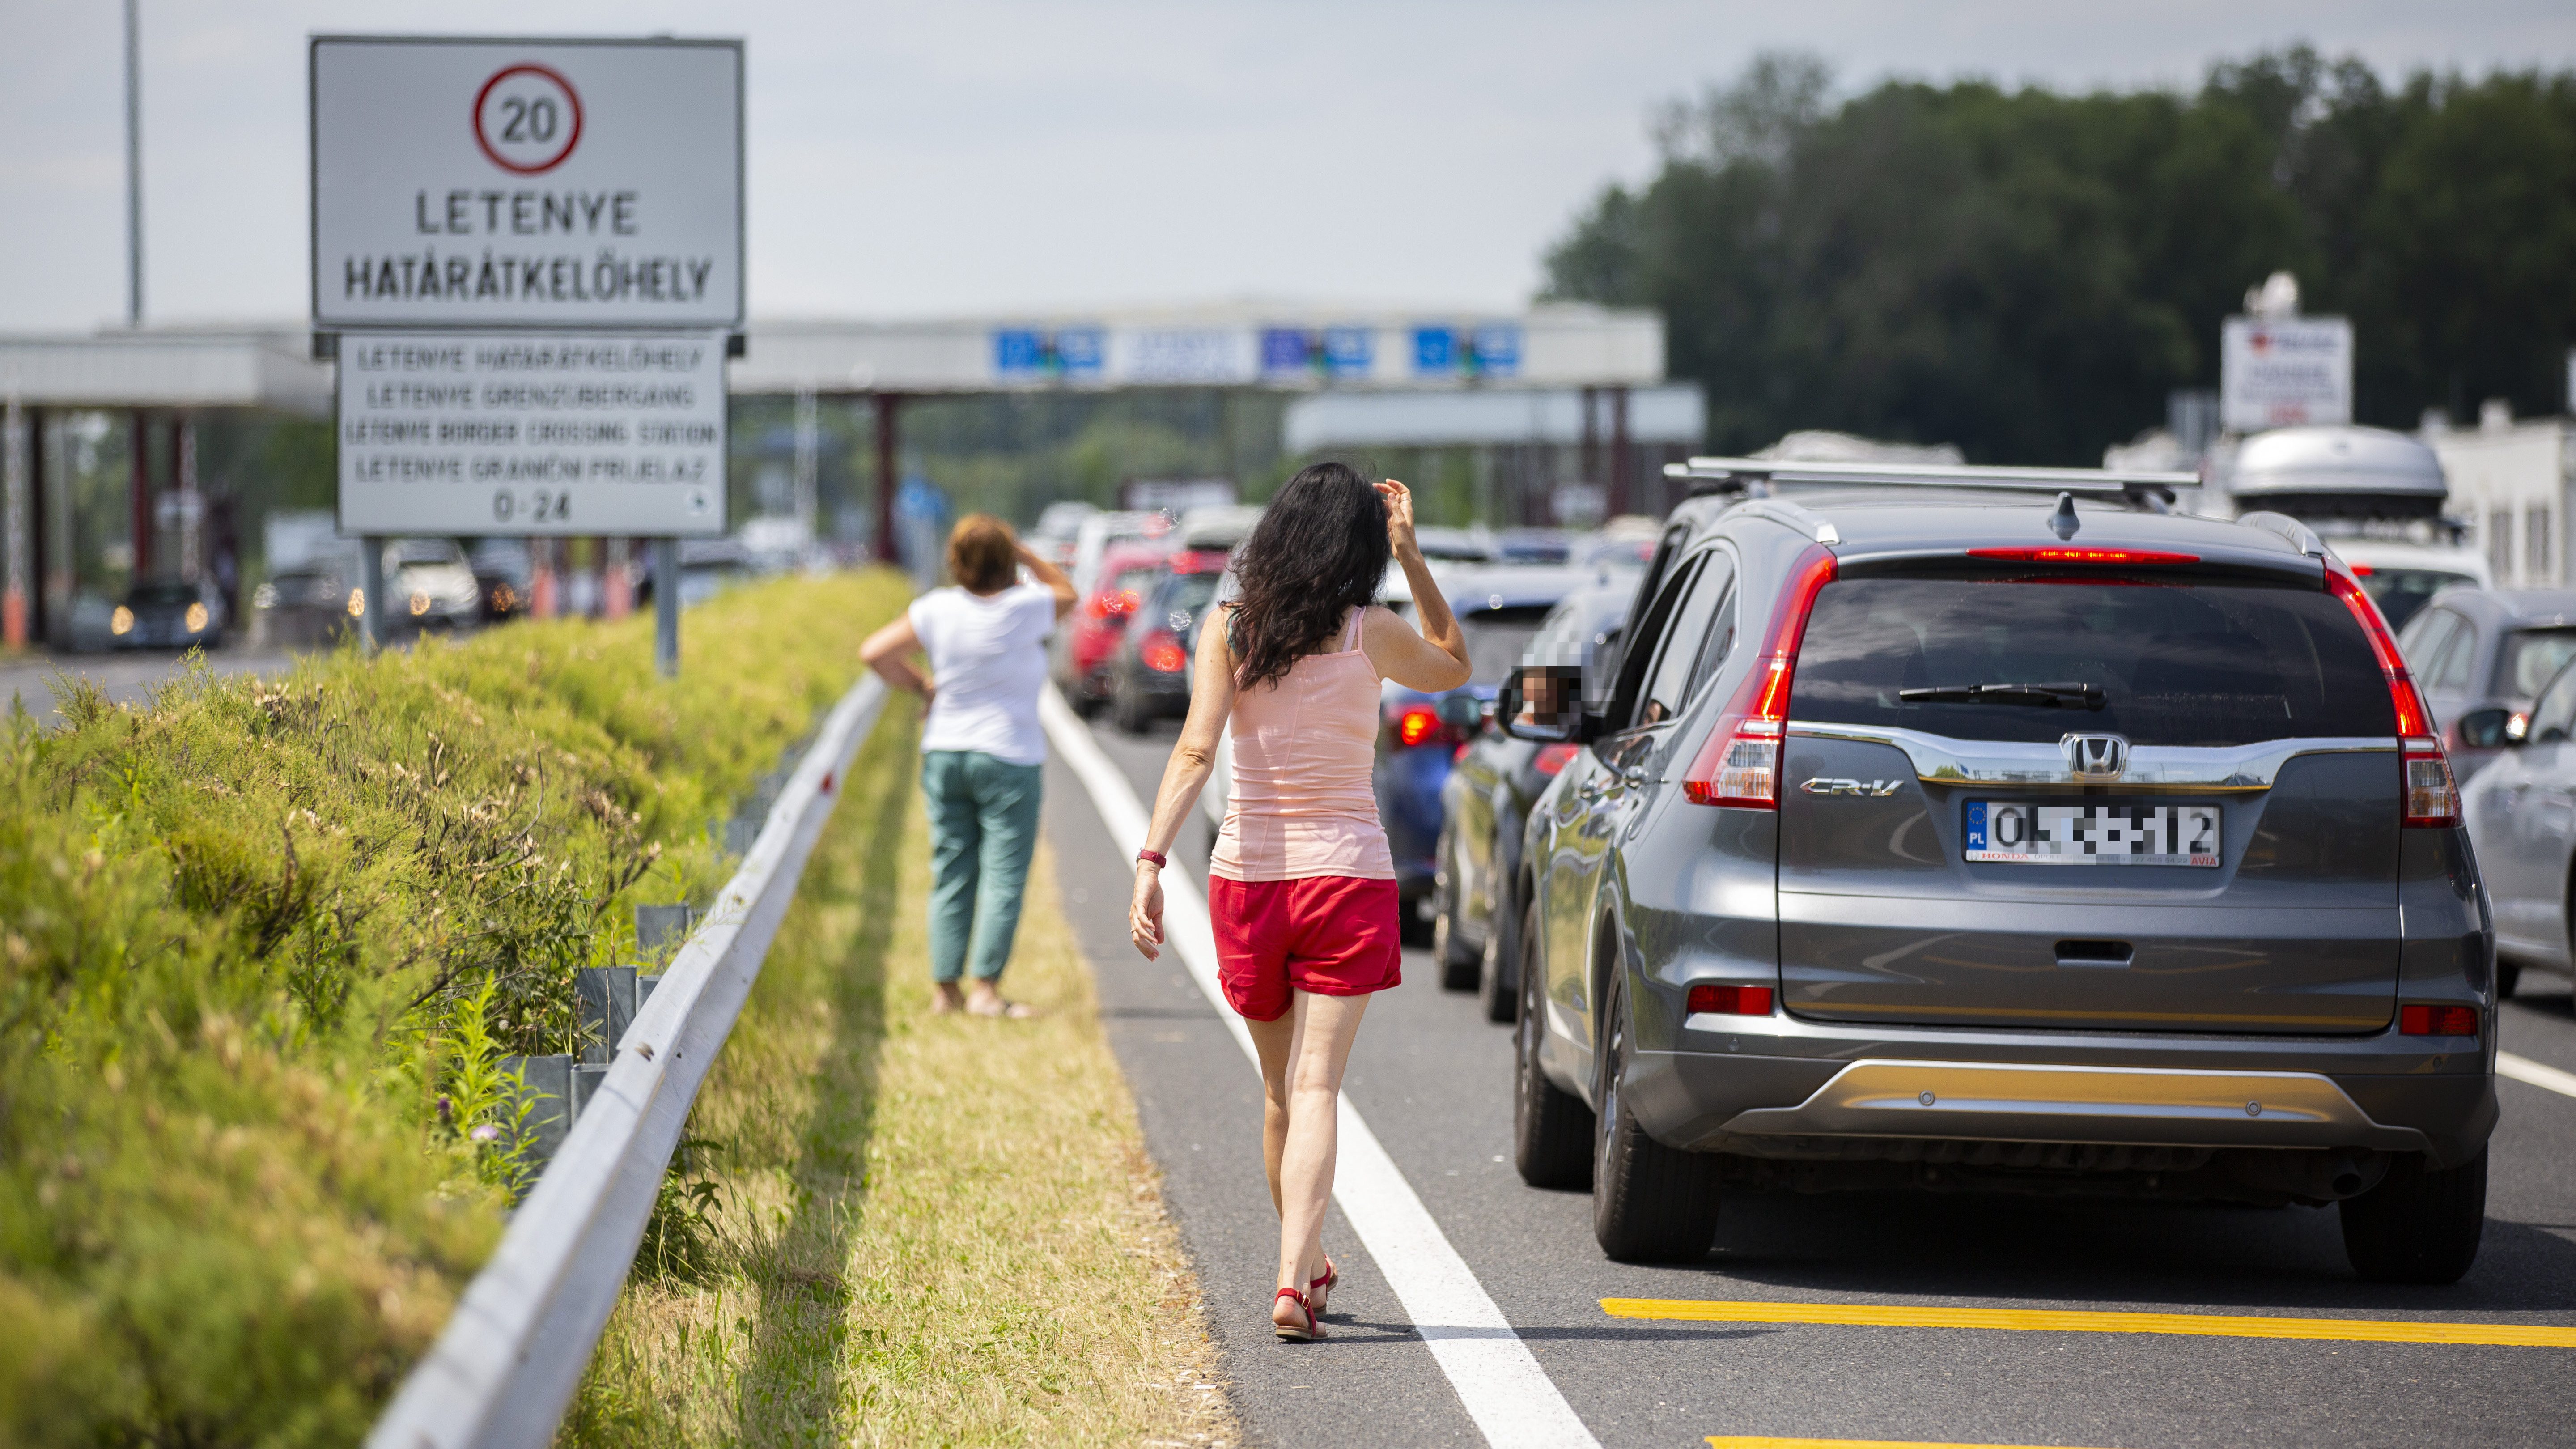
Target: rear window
{"points": [[2531, 658], [1496, 639], [2198, 665]]}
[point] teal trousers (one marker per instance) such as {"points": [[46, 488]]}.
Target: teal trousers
{"points": [[983, 829]]}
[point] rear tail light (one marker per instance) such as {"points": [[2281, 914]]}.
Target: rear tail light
{"points": [[1554, 758], [1740, 764], [2432, 796], [1162, 653], [1415, 725], [2432, 792], [1710, 999], [2437, 1021]]}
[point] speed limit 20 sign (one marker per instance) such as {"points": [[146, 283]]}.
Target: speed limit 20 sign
{"points": [[508, 183]]}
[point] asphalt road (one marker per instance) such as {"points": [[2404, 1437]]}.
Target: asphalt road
{"points": [[127, 678], [1433, 1082]]}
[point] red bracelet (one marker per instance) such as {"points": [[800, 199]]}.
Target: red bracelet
{"points": [[1154, 858]]}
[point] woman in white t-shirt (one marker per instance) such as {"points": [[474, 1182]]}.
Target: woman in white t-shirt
{"points": [[983, 755]]}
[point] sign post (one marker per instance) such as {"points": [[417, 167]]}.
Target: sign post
{"points": [[528, 260]]}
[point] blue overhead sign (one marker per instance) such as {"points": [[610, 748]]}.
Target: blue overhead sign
{"points": [[1022, 354]]}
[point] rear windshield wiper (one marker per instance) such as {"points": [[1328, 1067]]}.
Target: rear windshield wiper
{"points": [[2046, 696]]}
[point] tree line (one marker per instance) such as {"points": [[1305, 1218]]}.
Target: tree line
{"points": [[2029, 273]]}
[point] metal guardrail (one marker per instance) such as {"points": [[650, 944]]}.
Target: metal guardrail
{"points": [[511, 1356]]}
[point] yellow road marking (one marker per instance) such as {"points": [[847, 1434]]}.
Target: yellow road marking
{"points": [[1767, 1441], [2050, 1320]]}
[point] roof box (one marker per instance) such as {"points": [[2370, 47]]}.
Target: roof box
{"points": [[2339, 472]]}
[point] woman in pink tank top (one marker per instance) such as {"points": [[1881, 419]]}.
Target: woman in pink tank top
{"points": [[1302, 887]]}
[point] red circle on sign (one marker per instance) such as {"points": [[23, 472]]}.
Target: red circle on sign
{"points": [[571, 139]]}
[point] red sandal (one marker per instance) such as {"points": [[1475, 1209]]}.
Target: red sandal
{"points": [[1320, 1289], [1290, 1333]]}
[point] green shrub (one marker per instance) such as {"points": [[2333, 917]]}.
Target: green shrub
{"points": [[262, 944]]}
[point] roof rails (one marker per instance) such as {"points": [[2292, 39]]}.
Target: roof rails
{"points": [[1755, 477]]}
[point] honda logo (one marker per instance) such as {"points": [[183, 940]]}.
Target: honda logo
{"points": [[2095, 757]]}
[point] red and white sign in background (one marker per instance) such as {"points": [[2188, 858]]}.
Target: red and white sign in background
{"points": [[509, 183]]}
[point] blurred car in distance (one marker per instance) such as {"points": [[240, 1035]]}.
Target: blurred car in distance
{"points": [[428, 585], [1103, 531], [1534, 546], [1475, 927], [502, 573], [708, 566], [1085, 640], [1499, 609], [169, 614], [310, 605], [1059, 525], [1149, 668], [1216, 528], [2521, 815], [2481, 656], [2375, 496]]}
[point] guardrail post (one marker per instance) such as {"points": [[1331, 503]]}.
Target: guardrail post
{"points": [[371, 593], [547, 1084]]}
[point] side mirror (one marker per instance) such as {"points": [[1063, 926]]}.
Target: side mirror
{"points": [[2490, 729], [1543, 703]]}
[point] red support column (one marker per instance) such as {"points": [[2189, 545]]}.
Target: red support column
{"points": [[888, 404]]}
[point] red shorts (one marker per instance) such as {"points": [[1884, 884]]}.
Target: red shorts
{"points": [[1333, 935]]}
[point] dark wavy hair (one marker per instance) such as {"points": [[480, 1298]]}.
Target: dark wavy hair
{"points": [[1319, 552]]}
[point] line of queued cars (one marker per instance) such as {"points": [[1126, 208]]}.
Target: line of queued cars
{"points": [[1945, 834]]}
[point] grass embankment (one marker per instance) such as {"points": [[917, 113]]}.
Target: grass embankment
{"points": [[259, 945], [936, 1230]]}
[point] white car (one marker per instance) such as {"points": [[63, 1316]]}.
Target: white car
{"points": [[2401, 576]]}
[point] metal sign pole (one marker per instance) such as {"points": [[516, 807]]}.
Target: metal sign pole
{"points": [[666, 607], [371, 592]]}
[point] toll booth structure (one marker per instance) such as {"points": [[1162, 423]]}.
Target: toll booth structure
{"points": [[137, 402]]}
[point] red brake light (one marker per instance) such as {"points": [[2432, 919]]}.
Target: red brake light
{"points": [[2115, 557], [1552, 759], [1710, 998], [1113, 603], [2437, 1021], [1740, 764], [2432, 791], [1162, 653], [1416, 724]]}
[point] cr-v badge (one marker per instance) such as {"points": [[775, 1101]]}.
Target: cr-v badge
{"points": [[1872, 788], [2095, 757]]}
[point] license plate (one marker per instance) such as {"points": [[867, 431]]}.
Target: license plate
{"points": [[2089, 834]]}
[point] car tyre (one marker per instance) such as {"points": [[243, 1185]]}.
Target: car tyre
{"points": [[1458, 965], [2508, 975], [2419, 1224], [1551, 1131], [1650, 1203]]}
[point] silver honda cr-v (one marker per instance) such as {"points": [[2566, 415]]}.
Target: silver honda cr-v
{"points": [[1953, 837]]}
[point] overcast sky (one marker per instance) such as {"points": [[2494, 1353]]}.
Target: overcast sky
{"points": [[980, 156]]}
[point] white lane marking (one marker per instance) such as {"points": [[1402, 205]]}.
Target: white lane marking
{"points": [[1498, 1379], [2524, 1069]]}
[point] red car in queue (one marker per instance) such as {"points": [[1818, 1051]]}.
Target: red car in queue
{"points": [[1089, 639]]}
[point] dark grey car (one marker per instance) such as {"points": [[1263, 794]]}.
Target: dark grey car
{"points": [[2481, 657], [1486, 801], [1952, 841]]}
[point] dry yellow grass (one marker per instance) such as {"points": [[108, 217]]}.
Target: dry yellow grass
{"points": [[935, 1230]]}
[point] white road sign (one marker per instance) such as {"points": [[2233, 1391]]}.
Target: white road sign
{"points": [[532, 432], [2284, 372], [501, 183]]}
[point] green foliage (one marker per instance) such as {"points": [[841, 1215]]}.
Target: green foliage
{"points": [[262, 946], [2027, 273]]}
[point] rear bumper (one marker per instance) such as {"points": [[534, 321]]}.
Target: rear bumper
{"points": [[1823, 1092]]}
